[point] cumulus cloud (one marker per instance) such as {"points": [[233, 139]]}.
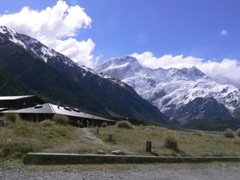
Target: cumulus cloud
{"points": [[57, 28], [226, 71], [147, 59]]}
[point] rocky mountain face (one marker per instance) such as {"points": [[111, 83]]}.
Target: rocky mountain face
{"points": [[181, 94], [56, 77]]}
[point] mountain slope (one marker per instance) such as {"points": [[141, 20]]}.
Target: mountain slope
{"points": [[55, 76], [175, 91], [9, 85]]}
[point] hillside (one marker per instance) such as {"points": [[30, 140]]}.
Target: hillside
{"points": [[10, 85], [54, 76]]}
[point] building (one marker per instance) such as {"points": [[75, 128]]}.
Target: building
{"points": [[33, 109], [18, 102]]}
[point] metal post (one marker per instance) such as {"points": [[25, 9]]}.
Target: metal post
{"points": [[97, 130], [110, 137], [149, 146]]}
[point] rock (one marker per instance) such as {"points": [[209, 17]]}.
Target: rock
{"points": [[117, 152]]}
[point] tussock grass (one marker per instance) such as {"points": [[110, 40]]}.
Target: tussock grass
{"points": [[171, 143], [238, 132], [124, 124], [61, 119], [229, 133], [19, 137], [104, 124], [189, 143]]}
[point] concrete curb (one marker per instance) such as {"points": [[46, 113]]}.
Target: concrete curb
{"points": [[63, 158]]}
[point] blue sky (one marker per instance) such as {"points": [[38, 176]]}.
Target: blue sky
{"points": [[188, 27], [160, 33]]}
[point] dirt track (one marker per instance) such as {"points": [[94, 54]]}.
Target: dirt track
{"points": [[135, 172]]}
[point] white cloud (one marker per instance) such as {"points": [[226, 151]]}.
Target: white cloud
{"points": [[147, 59], [225, 72], [57, 28], [224, 32]]}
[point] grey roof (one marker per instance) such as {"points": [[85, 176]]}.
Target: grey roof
{"points": [[14, 97], [48, 108]]}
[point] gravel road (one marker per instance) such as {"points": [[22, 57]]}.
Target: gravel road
{"points": [[128, 172]]}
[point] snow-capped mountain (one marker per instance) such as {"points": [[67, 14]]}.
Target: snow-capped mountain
{"points": [[173, 90], [54, 76], [39, 50], [36, 48]]}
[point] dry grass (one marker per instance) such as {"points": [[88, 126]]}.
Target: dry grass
{"points": [[190, 143], [20, 137], [124, 124], [61, 119], [229, 133]]}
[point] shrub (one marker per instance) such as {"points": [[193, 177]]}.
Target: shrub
{"points": [[80, 124], [61, 119], [124, 124], [12, 117], [238, 132], [104, 124], [171, 143], [229, 133]]}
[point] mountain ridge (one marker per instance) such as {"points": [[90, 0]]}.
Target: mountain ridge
{"points": [[57, 77], [171, 90]]}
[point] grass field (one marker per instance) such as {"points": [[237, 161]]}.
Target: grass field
{"points": [[19, 137]]}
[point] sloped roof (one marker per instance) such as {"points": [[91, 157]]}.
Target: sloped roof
{"points": [[49, 108], [14, 97]]}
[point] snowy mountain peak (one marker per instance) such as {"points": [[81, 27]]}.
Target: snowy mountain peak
{"points": [[172, 89], [48, 55], [36, 48], [118, 67]]}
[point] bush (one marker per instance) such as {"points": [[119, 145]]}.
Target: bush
{"points": [[171, 143], [12, 117], [238, 132], [104, 124], [80, 124], [229, 133], [61, 119], [124, 124]]}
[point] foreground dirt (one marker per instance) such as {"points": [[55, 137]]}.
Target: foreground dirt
{"points": [[219, 171]]}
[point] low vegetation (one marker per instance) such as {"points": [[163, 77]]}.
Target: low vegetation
{"points": [[11, 117], [80, 124], [229, 133], [104, 124], [179, 142], [124, 124], [238, 132], [61, 119], [171, 143], [19, 137]]}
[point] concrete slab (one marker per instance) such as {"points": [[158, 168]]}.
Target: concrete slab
{"points": [[64, 158]]}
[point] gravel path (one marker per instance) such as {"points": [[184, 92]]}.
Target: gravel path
{"points": [[134, 172], [90, 136]]}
